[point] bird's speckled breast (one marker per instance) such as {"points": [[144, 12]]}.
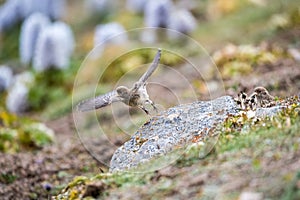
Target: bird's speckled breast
{"points": [[134, 99]]}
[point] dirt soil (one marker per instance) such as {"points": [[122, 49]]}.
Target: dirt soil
{"points": [[42, 173]]}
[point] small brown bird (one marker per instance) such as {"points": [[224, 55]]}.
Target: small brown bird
{"points": [[264, 99], [137, 96], [259, 98]]}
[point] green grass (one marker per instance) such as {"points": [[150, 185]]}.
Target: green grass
{"points": [[292, 192], [9, 45], [22, 133], [7, 178], [273, 135]]}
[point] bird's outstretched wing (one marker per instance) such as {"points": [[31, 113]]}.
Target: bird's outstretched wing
{"points": [[98, 102], [149, 72]]}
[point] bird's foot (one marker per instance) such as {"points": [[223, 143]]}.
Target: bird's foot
{"points": [[153, 105]]}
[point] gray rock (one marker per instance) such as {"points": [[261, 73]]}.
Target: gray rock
{"points": [[268, 112], [176, 128]]}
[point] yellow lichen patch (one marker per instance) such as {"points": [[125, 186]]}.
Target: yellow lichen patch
{"points": [[7, 119], [17, 133]]}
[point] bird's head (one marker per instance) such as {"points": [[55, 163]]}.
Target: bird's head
{"points": [[122, 91], [261, 91]]}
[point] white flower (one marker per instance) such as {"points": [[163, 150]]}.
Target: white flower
{"points": [[30, 31], [136, 6], [54, 9], [98, 5], [164, 14], [182, 21], [17, 98], [6, 76], [25, 78], [27, 7], [158, 13], [9, 14], [45, 51], [13, 11], [111, 33], [65, 44], [54, 47], [16, 101]]}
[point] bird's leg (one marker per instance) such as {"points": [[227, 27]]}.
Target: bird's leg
{"points": [[144, 109], [155, 108], [152, 104]]}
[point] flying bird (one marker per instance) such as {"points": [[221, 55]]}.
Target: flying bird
{"points": [[136, 96]]}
